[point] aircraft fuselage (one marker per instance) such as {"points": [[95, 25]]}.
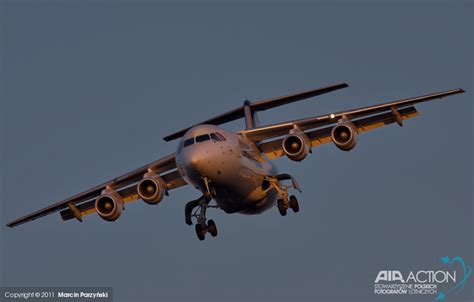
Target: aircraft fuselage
{"points": [[232, 166]]}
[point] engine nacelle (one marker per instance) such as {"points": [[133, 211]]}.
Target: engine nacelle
{"points": [[109, 205], [296, 146], [345, 136], [151, 188]]}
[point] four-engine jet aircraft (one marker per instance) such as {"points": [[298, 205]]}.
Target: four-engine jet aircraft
{"points": [[235, 169]]}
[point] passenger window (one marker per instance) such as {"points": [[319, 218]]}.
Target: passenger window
{"points": [[188, 142], [215, 138], [202, 138], [221, 136]]}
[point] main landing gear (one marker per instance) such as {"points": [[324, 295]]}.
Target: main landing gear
{"points": [[197, 208], [284, 202], [292, 204]]}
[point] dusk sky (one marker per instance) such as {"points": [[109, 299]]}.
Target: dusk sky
{"points": [[89, 89]]}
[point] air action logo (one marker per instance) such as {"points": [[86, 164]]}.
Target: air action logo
{"points": [[441, 283]]}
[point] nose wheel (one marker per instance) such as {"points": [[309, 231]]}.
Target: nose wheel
{"points": [[197, 209], [212, 228], [200, 231]]}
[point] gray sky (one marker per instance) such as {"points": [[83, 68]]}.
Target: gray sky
{"points": [[89, 90]]}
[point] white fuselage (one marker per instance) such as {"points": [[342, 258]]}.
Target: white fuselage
{"points": [[234, 168]]}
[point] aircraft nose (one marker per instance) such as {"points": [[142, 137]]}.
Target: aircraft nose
{"points": [[203, 161], [197, 162]]}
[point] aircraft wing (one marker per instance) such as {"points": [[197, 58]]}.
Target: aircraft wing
{"points": [[318, 128], [125, 185]]}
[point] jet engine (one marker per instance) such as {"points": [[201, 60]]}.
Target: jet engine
{"points": [[109, 205], [151, 188], [345, 136], [296, 146]]}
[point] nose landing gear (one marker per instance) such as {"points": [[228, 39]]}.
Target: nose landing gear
{"points": [[197, 208], [212, 228]]}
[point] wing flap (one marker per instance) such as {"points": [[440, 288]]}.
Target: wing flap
{"points": [[161, 165], [273, 149], [173, 180], [128, 194], [363, 125], [275, 130]]}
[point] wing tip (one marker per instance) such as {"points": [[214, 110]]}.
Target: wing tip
{"points": [[337, 86]]}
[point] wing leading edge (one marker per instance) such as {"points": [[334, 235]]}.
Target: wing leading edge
{"points": [[317, 129], [273, 149], [280, 129], [84, 202]]}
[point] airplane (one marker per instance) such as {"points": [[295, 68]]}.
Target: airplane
{"points": [[235, 169]]}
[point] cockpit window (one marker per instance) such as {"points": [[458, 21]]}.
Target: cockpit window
{"points": [[215, 138], [221, 136], [202, 138], [188, 142]]}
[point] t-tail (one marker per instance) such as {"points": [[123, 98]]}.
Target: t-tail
{"points": [[249, 110]]}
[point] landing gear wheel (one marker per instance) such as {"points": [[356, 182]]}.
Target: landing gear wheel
{"points": [[294, 204], [212, 228], [200, 232], [281, 207]]}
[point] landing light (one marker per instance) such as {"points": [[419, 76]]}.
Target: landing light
{"points": [[332, 115]]}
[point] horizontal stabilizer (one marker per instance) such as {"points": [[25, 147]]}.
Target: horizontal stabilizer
{"points": [[262, 105]]}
